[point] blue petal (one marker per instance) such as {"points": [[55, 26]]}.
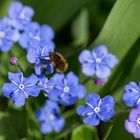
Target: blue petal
{"points": [[6, 45], [32, 55], [24, 41], [31, 80], [16, 77], [130, 126], [134, 114], [106, 115], [18, 98], [100, 51], [8, 89], [85, 56], [132, 87], [51, 105], [46, 32], [12, 35], [110, 60], [88, 69], [26, 13], [78, 91], [33, 90], [67, 100], [92, 120], [15, 9], [108, 103], [49, 69], [46, 128], [107, 108], [103, 71], [93, 99], [72, 79], [38, 69], [54, 94], [47, 43], [131, 98], [40, 115], [83, 110], [58, 79], [58, 124]]}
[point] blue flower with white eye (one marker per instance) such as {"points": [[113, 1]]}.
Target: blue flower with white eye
{"points": [[66, 89], [50, 118], [132, 94], [39, 56], [35, 35], [8, 36], [96, 109], [44, 84], [97, 62], [20, 88], [19, 16]]}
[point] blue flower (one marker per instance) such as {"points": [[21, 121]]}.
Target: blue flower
{"points": [[97, 62], [8, 36], [50, 118], [39, 56], [66, 89], [96, 109], [132, 124], [132, 94], [20, 88], [35, 35], [44, 84], [19, 15]]}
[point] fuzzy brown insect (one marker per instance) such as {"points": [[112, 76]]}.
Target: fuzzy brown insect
{"points": [[59, 62]]}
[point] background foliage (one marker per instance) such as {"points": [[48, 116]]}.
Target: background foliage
{"points": [[78, 24]]}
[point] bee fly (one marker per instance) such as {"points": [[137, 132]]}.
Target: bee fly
{"points": [[59, 62]]}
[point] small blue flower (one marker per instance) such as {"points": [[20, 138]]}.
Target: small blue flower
{"points": [[19, 15], [132, 94], [44, 84], [20, 88], [97, 62], [66, 89], [132, 124], [50, 118], [39, 56], [35, 35], [8, 36], [96, 109]]}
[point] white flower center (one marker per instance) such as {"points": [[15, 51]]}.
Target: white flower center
{"points": [[37, 38], [2, 34], [66, 89], [96, 109], [21, 86], [51, 117], [45, 86], [98, 60], [138, 120]]}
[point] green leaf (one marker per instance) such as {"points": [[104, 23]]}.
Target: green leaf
{"points": [[80, 28], [12, 125], [58, 12], [84, 132], [121, 29]]}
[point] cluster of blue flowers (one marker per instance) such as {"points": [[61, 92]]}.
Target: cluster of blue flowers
{"points": [[132, 99], [64, 89]]}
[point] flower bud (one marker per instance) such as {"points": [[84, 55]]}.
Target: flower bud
{"points": [[13, 60], [100, 82]]}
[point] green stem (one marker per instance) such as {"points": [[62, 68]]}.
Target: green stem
{"points": [[108, 132]]}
